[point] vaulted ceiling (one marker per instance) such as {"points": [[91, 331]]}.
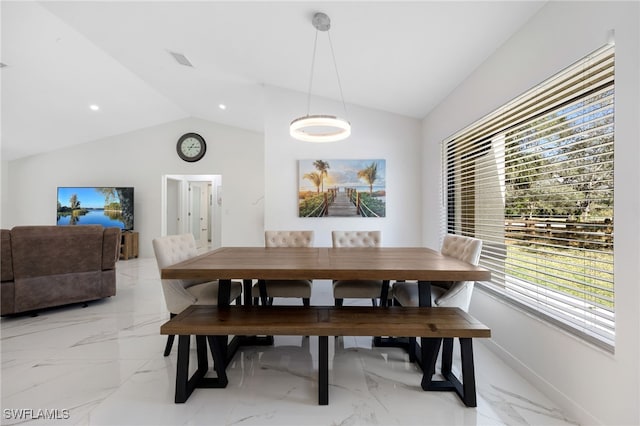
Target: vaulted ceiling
{"points": [[61, 57]]}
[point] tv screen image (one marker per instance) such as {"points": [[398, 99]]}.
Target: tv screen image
{"points": [[107, 206]]}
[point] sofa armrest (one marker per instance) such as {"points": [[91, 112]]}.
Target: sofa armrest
{"points": [[110, 248], [6, 259]]}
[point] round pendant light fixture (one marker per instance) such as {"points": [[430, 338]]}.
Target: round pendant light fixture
{"points": [[321, 127]]}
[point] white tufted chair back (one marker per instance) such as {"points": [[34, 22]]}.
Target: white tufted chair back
{"points": [[180, 294], [466, 249], [356, 289], [458, 293], [356, 238], [170, 250], [286, 288], [173, 249], [446, 294], [288, 238]]}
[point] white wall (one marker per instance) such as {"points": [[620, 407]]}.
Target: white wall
{"points": [[375, 135], [595, 387], [140, 159]]}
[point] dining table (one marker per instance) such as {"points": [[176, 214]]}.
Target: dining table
{"points": [[420, 264]]}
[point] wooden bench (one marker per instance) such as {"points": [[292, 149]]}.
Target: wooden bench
{"points": [[213, 324]]}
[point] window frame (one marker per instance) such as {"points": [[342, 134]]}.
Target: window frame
{"points": [[578, 81]]}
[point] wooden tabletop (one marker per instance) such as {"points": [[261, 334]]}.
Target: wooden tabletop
{"points": [[383, 263]]}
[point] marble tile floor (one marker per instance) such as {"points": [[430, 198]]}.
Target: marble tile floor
{"points": [[103, 365]]}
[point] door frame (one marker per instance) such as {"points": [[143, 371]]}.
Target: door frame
{"points": [[215, 221]]}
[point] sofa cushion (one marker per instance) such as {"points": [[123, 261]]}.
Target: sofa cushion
{"points": [[52, 250]]}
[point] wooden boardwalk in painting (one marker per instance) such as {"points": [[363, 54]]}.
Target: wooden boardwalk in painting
{"points": [[341, 206]]}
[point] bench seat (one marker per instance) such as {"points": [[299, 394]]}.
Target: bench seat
{"points": [[214, 324]]}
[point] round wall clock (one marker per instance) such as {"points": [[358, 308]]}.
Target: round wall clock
{"points": [[191, 147]]}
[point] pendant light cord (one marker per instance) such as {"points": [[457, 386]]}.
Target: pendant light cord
{"points": [[335, 66], [313, 61]]}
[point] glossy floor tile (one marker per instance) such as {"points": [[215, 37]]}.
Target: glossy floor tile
{"points": [[103, 365]]}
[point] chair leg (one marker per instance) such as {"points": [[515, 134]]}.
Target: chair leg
{"points": [[306, 301], [339, 302], [374, 302]]}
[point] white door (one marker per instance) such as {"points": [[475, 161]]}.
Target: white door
{"points": [[199, 213], [173, 207]]}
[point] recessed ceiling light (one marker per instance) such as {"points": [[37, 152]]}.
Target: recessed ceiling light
{"points": [[181, 59], [94, 107], [222, 106]]}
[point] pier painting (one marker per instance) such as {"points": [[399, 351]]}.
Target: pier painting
{"points": [[342, 188]]}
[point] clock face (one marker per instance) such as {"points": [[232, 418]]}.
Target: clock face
{"points": [[191, 147]]}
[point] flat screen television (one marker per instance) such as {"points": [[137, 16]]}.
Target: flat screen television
{"points": [[105, 205]]}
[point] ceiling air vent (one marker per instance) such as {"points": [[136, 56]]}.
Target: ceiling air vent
{"points": [[181, 59]]}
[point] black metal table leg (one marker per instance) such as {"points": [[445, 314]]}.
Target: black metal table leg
{"points": [[424, 293], [323, 370], [447, 355], [224, 292], [409, 344], [224, 299], [262, 286], [384, 293], [246, 292], [219, 363], [429, 347]]}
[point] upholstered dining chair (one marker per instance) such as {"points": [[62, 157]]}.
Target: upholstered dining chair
{"points": [[180, 294], [450, 294], [356, 289], [285, 288]]}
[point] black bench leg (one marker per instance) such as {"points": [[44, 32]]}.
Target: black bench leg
{"points": [[184, 384], [465, 390], [323, 370], [182, 370], [468, 373]]}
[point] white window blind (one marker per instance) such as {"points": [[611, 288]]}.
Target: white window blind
{"points": [[534, 181]]}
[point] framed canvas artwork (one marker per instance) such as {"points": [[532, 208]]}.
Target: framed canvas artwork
{"points": [[343, 188]]}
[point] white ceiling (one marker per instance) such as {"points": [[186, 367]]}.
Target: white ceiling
{"points": [[61, 57]]}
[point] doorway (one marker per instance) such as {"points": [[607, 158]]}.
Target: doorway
{"points": [[192, 203]]}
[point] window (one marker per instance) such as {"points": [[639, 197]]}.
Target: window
{"points": [[534, 181]]}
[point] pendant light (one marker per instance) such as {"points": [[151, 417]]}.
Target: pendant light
{"points": [[321, 127]]}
